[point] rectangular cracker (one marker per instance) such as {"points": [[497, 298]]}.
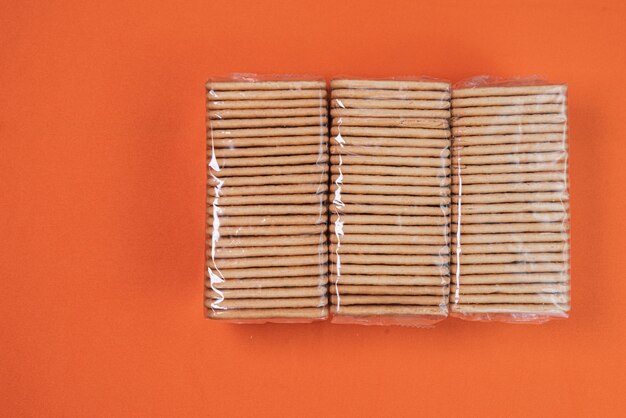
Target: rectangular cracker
{"points": [[390, 84], [529, 109], [383, 280], [395, 210], [277, 313], [226, 85], [388, 290], [342, 248], [491, 91], [378, 310], [389, 270], [267, 293], [352, 218], [270, 282], [345, 300], [413, 151]]}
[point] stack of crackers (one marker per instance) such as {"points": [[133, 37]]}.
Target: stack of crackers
{"points": [[510, 228], [390, 196], [266, 200]]}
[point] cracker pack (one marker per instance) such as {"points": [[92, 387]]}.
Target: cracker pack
{"points": [[510, 204], [267, 194], [389, 201]]}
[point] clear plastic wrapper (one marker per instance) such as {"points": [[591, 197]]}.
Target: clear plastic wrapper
{"points": [[390, 201], [267, 193], [510, 204]]}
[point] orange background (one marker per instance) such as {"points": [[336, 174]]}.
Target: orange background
{"points": [[101, 222]]}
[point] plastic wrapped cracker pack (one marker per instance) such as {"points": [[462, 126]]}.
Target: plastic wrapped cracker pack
{"points": [[510, 204], [267, 189]]}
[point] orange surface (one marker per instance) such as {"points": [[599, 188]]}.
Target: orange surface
{"points": [[101, 222]]}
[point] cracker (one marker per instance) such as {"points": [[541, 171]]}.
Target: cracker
{"points": [[553, 298], [422, 162], [508, 268], [378, 239], [379, 189], [508, 120], [443, 134], [268, 132], [390, 209], [383, 113], [517, 100], [519, 237], [530, 109], [268, 180], [513, 178], [508, 228], [317, 167], [523, 217], [466, 259], [390, 84], [228, 153], [226, 114], [269, 241], [341, 248], [247, 162], [259, 220], [550, 309], [282, 313], [288, 189], [286, 209], [348, 228], [392, 122], [267, 293], [514, 247], [373, 269], [345, 300], [344, 178], [245, 252], [510, 288], [383, 280], [274, 272], [218, 85], [319, 103], [306, 302], [282, 282], [343, 289], [559, 146], [377, 310], [349, 199], [514, 207], [389, 142], [352, 218], [273, 141], [543, 186], [509, 139], [491, 91], [214, 95], [390, 104], [226, 231], [319, 120], [512, 168], [531, 157], [353, 165], [512, 197], [268, 199], [511, 278], [391, 151], [377, 94], [267, 261], [459, 131], [390, 259]]}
